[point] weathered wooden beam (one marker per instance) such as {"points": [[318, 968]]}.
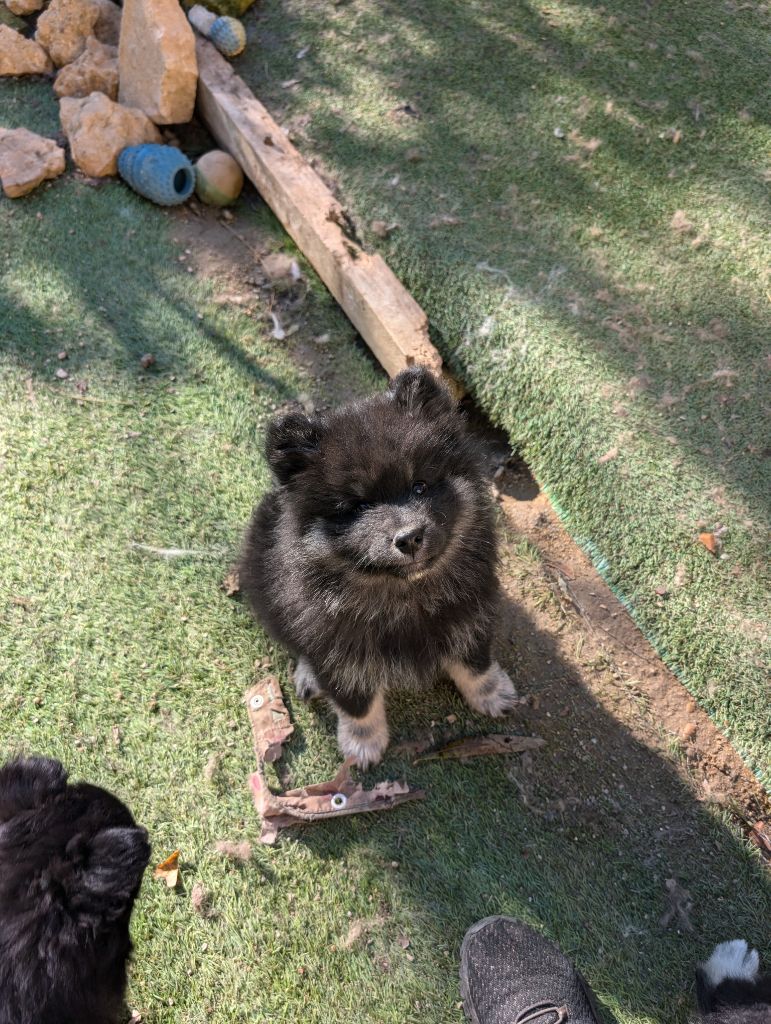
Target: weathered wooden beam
{"points": [[380, 307]]}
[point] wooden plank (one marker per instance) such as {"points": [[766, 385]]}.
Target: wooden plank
{"points": [[380, 307]]}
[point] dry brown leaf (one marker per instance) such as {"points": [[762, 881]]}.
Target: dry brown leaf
{"points": [[323, 800], [232, 584], [760, 835], [481, 746], [710, 542], [168, 870], [269, 719], [147, 360]]}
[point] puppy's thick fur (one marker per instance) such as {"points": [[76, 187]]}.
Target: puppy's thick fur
{"points": [[71, 862], [373, 560], [730, 988]]}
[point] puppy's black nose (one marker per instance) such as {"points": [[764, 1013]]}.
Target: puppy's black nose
{"points": [[409, 541]]}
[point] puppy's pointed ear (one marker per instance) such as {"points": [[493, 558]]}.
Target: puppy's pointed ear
{"points": [[114, 863], [292, 442], [28, 782], [418, 391]]}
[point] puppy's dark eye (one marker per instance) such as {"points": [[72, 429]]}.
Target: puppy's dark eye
{"points": [[419, 487]]}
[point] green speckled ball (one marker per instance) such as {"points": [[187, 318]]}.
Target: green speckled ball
{"points": [[218, 178]]}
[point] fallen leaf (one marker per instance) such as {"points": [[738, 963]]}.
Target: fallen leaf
{"points": [[62, 355], [609, 455], [232, 584], [269, 719], [116, 735], [710, 542], [168, 870], [760, 835], [147, 360], [338, 797], [680, 906], [481, 746], [234, 851], [61, 374]]}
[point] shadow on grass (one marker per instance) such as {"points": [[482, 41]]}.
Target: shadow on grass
{"points": [[578, 839], [661, 306]]}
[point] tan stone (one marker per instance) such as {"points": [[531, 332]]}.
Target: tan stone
{"points": [[20, 56], [27, 159], [107, 28], [23, 7], [157, 61], [98, 129], [64, 28], [95, 70]]}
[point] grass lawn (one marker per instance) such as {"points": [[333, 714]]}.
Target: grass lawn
{"points": [[581, 194], [131, 668]]}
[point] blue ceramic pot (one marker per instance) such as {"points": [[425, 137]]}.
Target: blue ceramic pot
{"points": [[160, 173]]}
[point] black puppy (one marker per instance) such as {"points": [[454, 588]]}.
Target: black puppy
{"points": [[373, 561], [730, 988], [71, 862]]}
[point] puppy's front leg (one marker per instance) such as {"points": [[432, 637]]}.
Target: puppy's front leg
{"points": [[362, 729], [488, 691], [305, 682]]}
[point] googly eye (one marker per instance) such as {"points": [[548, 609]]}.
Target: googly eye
{"points": [[338, 801], [256, 702], [419, 488]]}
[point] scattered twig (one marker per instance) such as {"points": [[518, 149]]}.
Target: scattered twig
{"points": [[482, 746], [177, 552]]}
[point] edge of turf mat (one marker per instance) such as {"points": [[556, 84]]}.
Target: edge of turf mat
{"points": [[599, 290]]}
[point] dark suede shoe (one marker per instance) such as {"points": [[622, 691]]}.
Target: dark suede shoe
{"points": [[509, 974]]}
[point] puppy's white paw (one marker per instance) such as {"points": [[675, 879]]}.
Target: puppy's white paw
{"points": [[364, 739], [306, 684], [732, 960], [490, 693]]}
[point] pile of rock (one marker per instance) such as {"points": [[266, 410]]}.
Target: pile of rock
{"points": [[118, 76]]}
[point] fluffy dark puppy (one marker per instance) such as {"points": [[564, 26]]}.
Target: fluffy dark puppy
{"points": [[71, 861], [373, 560], [730, 988]]}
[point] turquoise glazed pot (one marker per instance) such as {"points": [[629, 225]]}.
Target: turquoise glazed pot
{"points": [[160, 173], [229, 36]]}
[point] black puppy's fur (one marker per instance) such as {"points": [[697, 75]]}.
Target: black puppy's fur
{"points": [[71, 862], [730, 988], [373, 560]]}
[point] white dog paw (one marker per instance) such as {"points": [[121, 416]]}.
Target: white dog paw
{"points": [[364, 739], [306, 684], [733, 961], [490, 693]]}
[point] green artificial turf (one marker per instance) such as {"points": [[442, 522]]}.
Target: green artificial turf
{"points": [[580, 199], [132, 667]]}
